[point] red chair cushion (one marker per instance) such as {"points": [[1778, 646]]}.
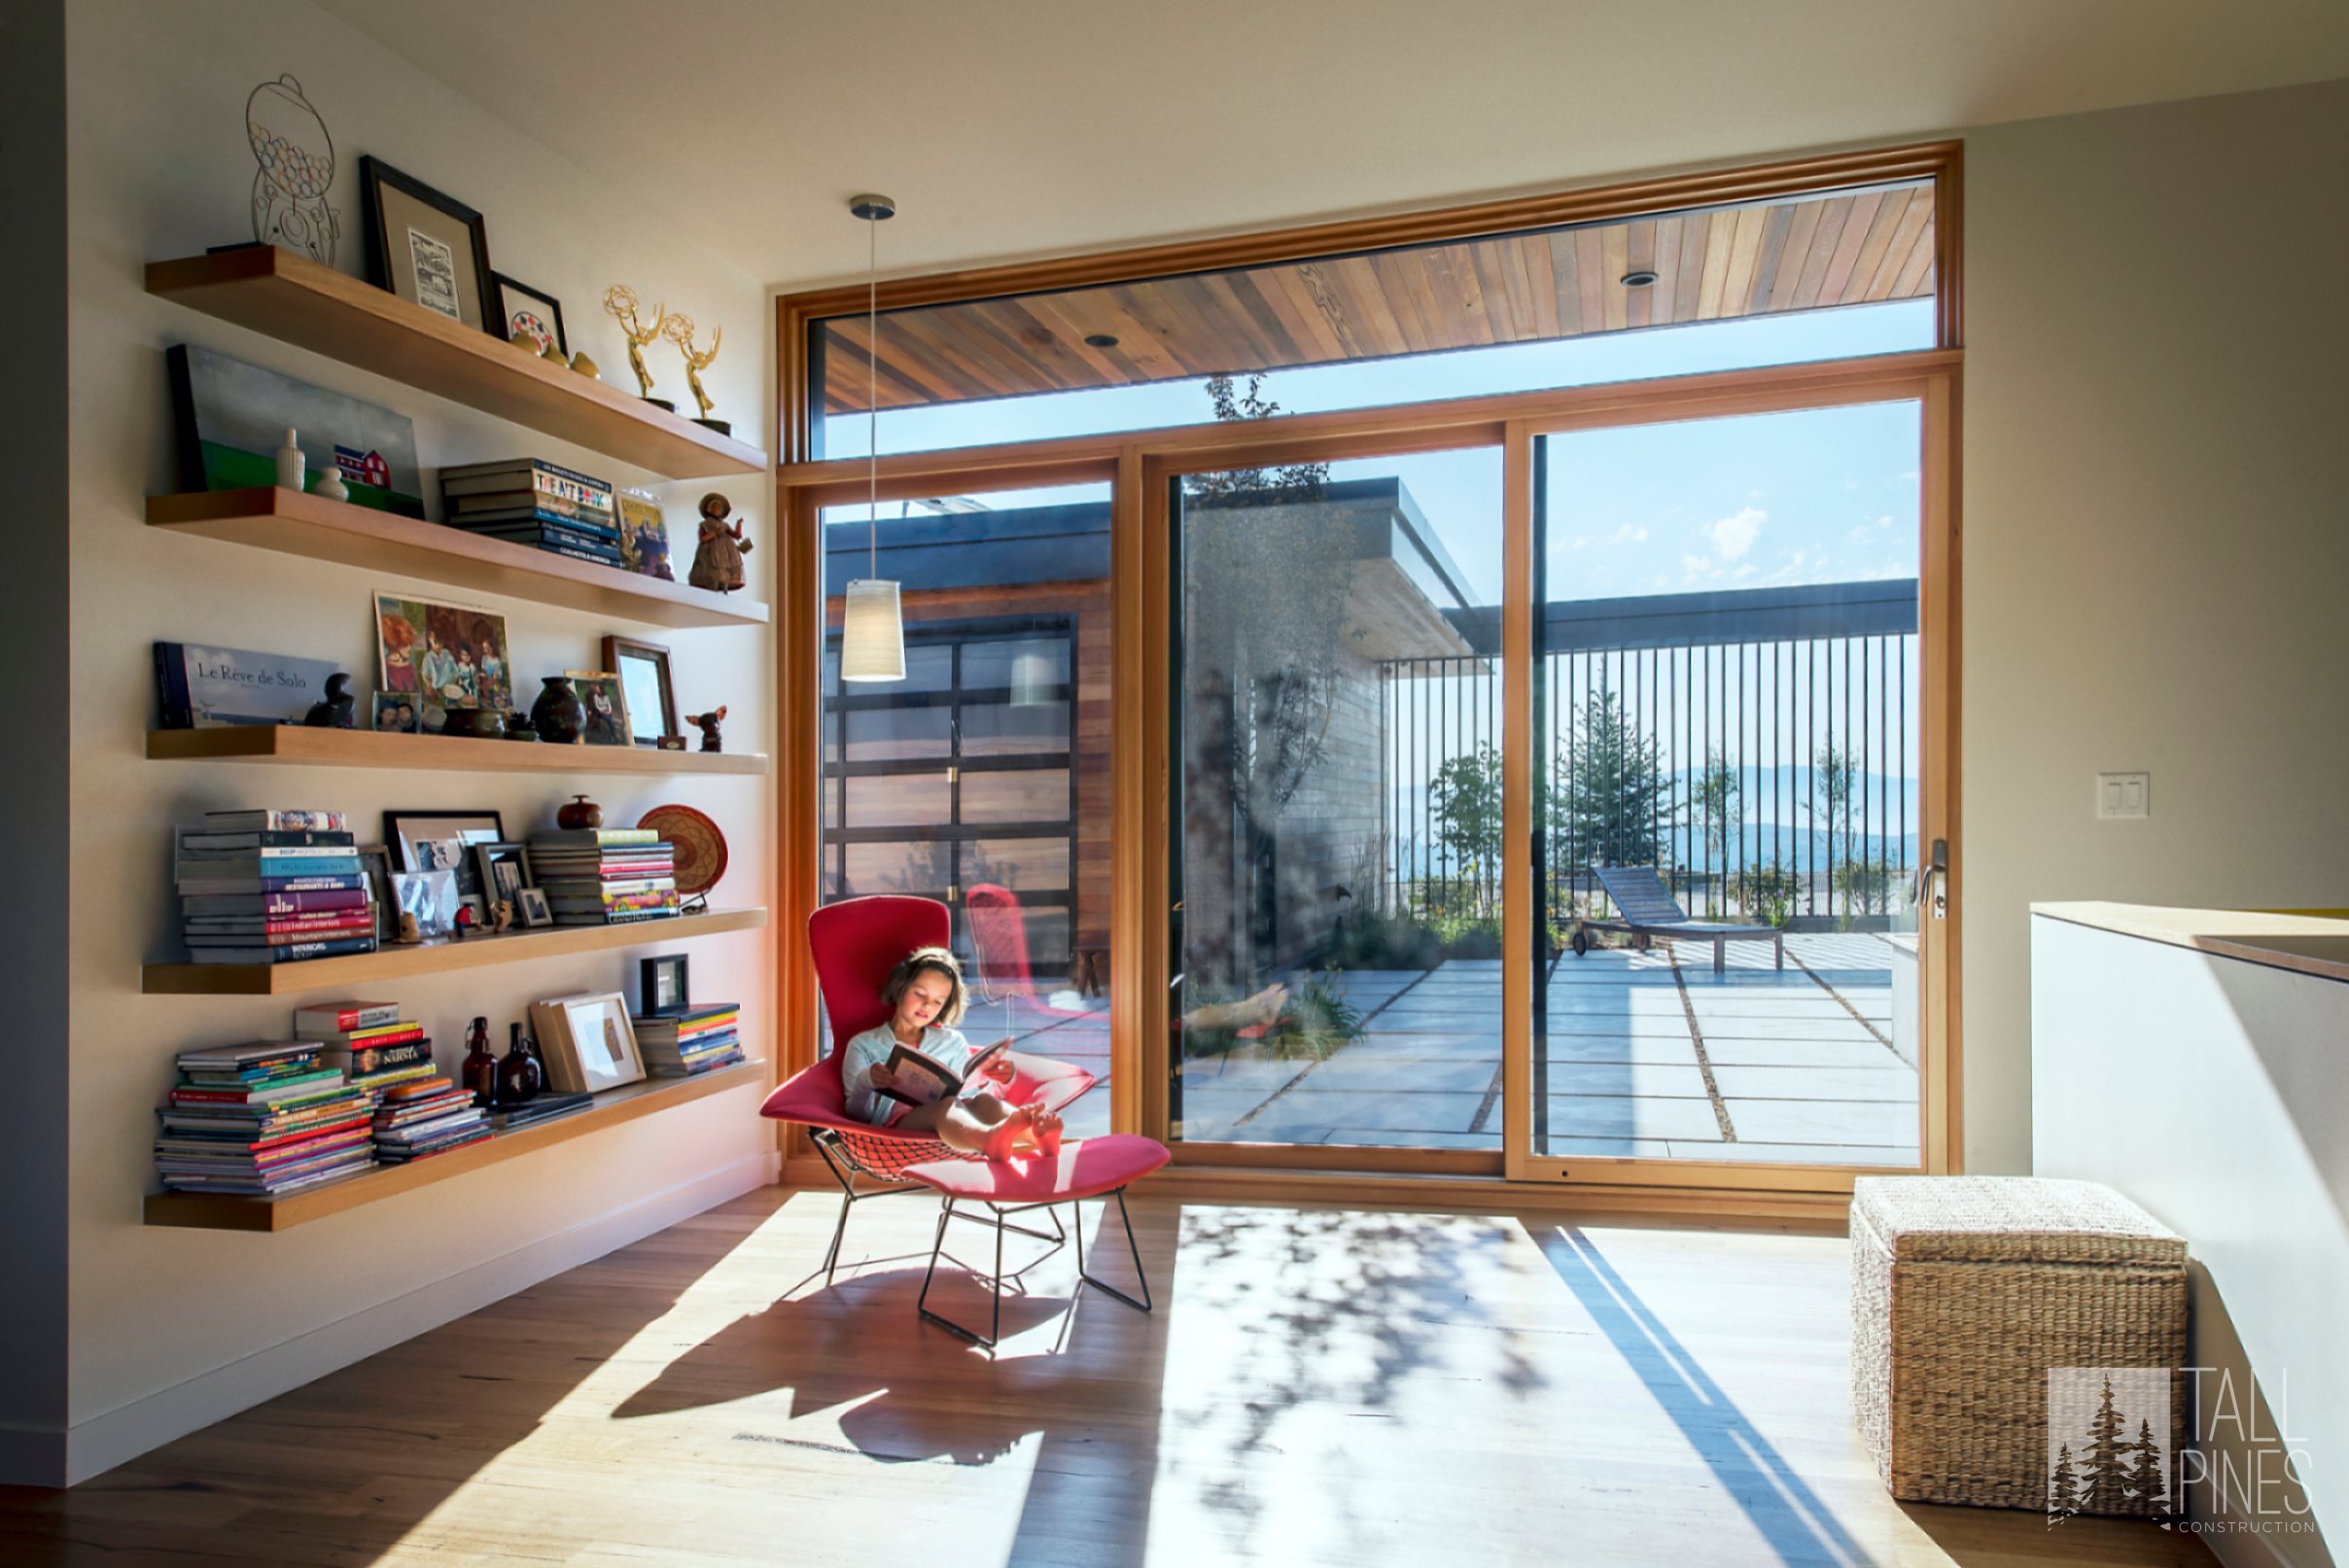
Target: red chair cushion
{"points": [[856, 942], [1084, 1169]]}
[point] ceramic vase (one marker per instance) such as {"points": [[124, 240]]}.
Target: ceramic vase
{"points": [[558, 714], [580, 813], [519, 1075]]}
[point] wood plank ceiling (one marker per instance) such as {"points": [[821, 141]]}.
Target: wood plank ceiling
{"points": [[1852, 248]]}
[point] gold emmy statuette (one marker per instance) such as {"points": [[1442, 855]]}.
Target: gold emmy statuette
{"points": [[680, 331], [620, 301]]}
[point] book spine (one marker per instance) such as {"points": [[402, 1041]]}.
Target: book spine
{"points": [[172, 686], [216, 886], [292, 953], [333, 920], [344, 1017], [266, 820], [382, 1057]]}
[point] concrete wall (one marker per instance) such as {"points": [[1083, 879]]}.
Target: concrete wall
{"points": [[171, 1328], [2154, 551]]}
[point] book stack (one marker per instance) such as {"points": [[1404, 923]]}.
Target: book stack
{"points": [[697, 1040], [606, 876], [424, 1117], [272, 886], [541, 1107], [262, 1119], [526, 502], [368, 1043]]}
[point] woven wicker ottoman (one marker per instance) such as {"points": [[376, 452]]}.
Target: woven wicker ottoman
{"points": [[1964, 1290]]}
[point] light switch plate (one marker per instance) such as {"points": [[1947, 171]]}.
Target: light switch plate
{"points": [[2124, 796]]}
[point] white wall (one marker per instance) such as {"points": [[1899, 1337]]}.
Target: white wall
{"points": [[171, 1328], [2154, 411]]}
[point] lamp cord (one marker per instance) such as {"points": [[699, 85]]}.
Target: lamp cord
{"points": [[873, 394]]}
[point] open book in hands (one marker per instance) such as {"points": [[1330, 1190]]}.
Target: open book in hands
{"points": [[918, 1079]]}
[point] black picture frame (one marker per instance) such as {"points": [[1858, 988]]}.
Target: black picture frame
{"points": [[503, 289], [647, 730], [376, 177], [471, 827], [661, 990]]}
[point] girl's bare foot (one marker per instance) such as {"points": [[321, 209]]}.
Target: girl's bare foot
{"points": [[1014, 1135], [1047, 1128]]}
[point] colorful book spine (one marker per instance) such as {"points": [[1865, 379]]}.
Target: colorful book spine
{"points": [[291, 953], [334, 1018], [271, 821]]}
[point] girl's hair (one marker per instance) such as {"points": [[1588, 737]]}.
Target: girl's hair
{"points": [[910, 967]]}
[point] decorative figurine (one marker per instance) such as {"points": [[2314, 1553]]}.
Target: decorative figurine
{"points": [[718, 558], [586, 367], [680, 333], [709, 722], [520, 1076], [330, 484], [338, 709], [290, 462], [502, 916], [621, 301], [558, 714], [577, 815], [525, 342], [296, 158], [518, 726], [480, 1072], [410, 934]]}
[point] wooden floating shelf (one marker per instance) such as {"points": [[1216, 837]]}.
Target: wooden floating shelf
{"points": [[232, 1211], [302, 747], [431, 957], [294, 522], [295, 299]]}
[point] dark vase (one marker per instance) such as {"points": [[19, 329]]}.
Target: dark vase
{"points": [[480, 1072], [519, 1075], [558, 714], [580, 813]]}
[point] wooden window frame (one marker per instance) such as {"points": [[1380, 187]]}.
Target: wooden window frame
{"points": [[1140, 465]]}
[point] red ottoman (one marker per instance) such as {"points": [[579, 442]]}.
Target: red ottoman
{"points": [[1088, 1167]]}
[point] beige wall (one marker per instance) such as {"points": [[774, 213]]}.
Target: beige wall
{"points": [[2155, 549], [171, 1329]]}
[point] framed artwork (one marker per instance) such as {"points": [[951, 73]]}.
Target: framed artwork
{"points": [[444, 841], [533, 907], [643, 538], [646, 699], [504, 871], [447, 655], [587, 1042], [606, 713], [229, 419], [660, 989], [537, 316], [376, 862], [396, 713], [427, 247], [431, 896]]}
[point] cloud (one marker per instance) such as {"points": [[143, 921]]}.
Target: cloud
{"points": [[1628, 534], [1735, 534]]}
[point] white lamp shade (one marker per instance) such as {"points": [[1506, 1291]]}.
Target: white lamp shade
{"points": [[1034, 676], [872, 632]]}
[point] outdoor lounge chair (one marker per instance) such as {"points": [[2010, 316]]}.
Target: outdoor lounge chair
{"points": [[1648, 910]]}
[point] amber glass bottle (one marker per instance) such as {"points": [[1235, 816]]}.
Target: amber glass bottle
{"points": [[519, 1075], [480, 1069]]}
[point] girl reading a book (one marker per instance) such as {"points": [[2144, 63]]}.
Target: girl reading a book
{"points": [[926, 997]]}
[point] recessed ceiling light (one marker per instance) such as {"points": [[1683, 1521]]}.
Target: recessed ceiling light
{"points": [[1638, 278], [1100, 340]]}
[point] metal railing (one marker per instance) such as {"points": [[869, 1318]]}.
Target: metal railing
{"points": [[1757, 747]]}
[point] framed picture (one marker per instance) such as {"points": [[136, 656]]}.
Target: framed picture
{"points": [[445, 654], [646, 699], [431, 896], [442, 841], [644, 536], [537, 316], [396, 714], [661, 985], [428, 248], [587, 1042], [606, 713], [534, 908], [231, 417], [376, 862], [504, 871]]}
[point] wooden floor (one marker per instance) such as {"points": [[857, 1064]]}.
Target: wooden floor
{"points": [[1319, 1386]]}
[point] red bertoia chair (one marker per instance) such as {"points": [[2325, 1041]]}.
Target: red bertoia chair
{"points": [[855, 944]]}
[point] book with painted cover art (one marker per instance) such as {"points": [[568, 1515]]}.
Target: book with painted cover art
{"points": [[922, 1078]]}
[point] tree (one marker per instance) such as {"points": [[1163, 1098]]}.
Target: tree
{"points": [[2145, 1487], [1466, 798], [1718, 810], [1837, 772], [1610, 803], [2063, 1489], [2104, 1469]]}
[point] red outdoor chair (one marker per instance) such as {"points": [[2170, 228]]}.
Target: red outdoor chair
{"points": [[998, 949], [855, 944]]}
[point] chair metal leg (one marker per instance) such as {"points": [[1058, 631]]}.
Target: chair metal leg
{"points": [[994, 1285], [1142, 1278], [847, 1200]]}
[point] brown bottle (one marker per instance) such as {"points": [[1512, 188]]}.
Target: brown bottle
{"points": [[519, 1075], [480, 1072]]}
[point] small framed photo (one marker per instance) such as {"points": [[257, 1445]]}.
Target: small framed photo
{"points": [[504, 871], [523, 310], [588, 1042], [660, 989], [646, 699], [606, 713], [644, 536], [431, 896], [535, 910], [396, 714], [375, 863], [427, 247]]}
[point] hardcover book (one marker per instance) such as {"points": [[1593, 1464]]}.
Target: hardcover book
{"points": [[202, 687]]}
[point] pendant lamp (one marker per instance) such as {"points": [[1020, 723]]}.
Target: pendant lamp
{"points": [[872, 625], [1034, 679]]}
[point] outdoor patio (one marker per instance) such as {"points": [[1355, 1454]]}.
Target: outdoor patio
{"points": [[1646, 1055]]}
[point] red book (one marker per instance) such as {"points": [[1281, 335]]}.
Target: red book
{"points": [[363, 925], [332, 920]]}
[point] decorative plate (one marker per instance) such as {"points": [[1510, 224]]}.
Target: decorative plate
{"points": [[701, 848]]}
